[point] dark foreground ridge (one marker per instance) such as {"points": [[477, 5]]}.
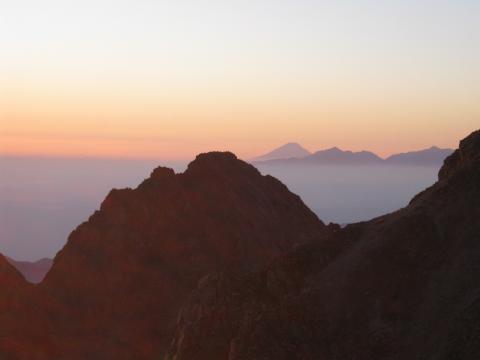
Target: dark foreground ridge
{"points": [[115, 289], [221, 262], [402, 286]]}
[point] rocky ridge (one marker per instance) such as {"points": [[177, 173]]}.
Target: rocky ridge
{"points": [[115, 289], [402, 286]]}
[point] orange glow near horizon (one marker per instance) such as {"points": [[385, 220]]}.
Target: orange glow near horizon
{"points": [[168, 80], [170, 127]]}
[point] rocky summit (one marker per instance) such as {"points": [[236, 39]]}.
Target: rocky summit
{"points": [[402, 286], [115, 289]]}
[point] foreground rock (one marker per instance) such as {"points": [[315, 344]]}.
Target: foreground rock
{"points": [[115, 290], [402, 286], [221, 262]]}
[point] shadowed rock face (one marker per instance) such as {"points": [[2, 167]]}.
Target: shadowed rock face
{"points": [[11, 281], [15, 294], [115, 289], [8, 272], [463, 159], [402, 286], [271, 281]]}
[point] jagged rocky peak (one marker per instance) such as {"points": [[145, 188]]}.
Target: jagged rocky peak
{"points": [[216, 162], [150, 246], [161, 173], [464, 158], [401, 286]]}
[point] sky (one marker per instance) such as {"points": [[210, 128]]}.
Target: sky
{"points": [[169, 79]]}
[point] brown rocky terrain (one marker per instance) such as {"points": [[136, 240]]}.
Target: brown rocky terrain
{"points": [[11, 282], [220, 262], [402, 286], [14, 291], [115, 289]]}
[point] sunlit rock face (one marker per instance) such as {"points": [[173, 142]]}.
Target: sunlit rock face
{"points": [[402, 286]]}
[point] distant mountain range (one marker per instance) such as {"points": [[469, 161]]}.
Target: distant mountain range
{"points": [[433, 155], [293, 153], [287, 151], [33, 272], [337, 156]]}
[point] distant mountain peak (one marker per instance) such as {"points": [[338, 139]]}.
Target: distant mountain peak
{"points": [[335, 155], [287, 151], [292, 144], [332, 149], [430, 156]]}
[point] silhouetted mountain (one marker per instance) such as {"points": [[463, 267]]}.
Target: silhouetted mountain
{"points": [[402, 286], [115, 289], [336, 156], [272, 281], [287, 151], [431, 156], [332, 156], [33, 272]]}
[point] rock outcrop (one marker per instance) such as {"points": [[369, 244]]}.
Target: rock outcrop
{"points": [[115, 289], [221, 262], [402, 286]]}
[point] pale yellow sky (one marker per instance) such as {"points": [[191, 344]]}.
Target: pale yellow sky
{"points": [[171, 79]]}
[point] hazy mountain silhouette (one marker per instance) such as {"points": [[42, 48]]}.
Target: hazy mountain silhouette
{"points": [[402, 286], [32, 271], [336, 156], [287, 151], [430, 156]]}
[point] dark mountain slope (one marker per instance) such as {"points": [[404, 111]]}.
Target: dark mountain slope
{"points": [[11, 280], [332, 156], [14, 293], [402, 286], [115, 289]]}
